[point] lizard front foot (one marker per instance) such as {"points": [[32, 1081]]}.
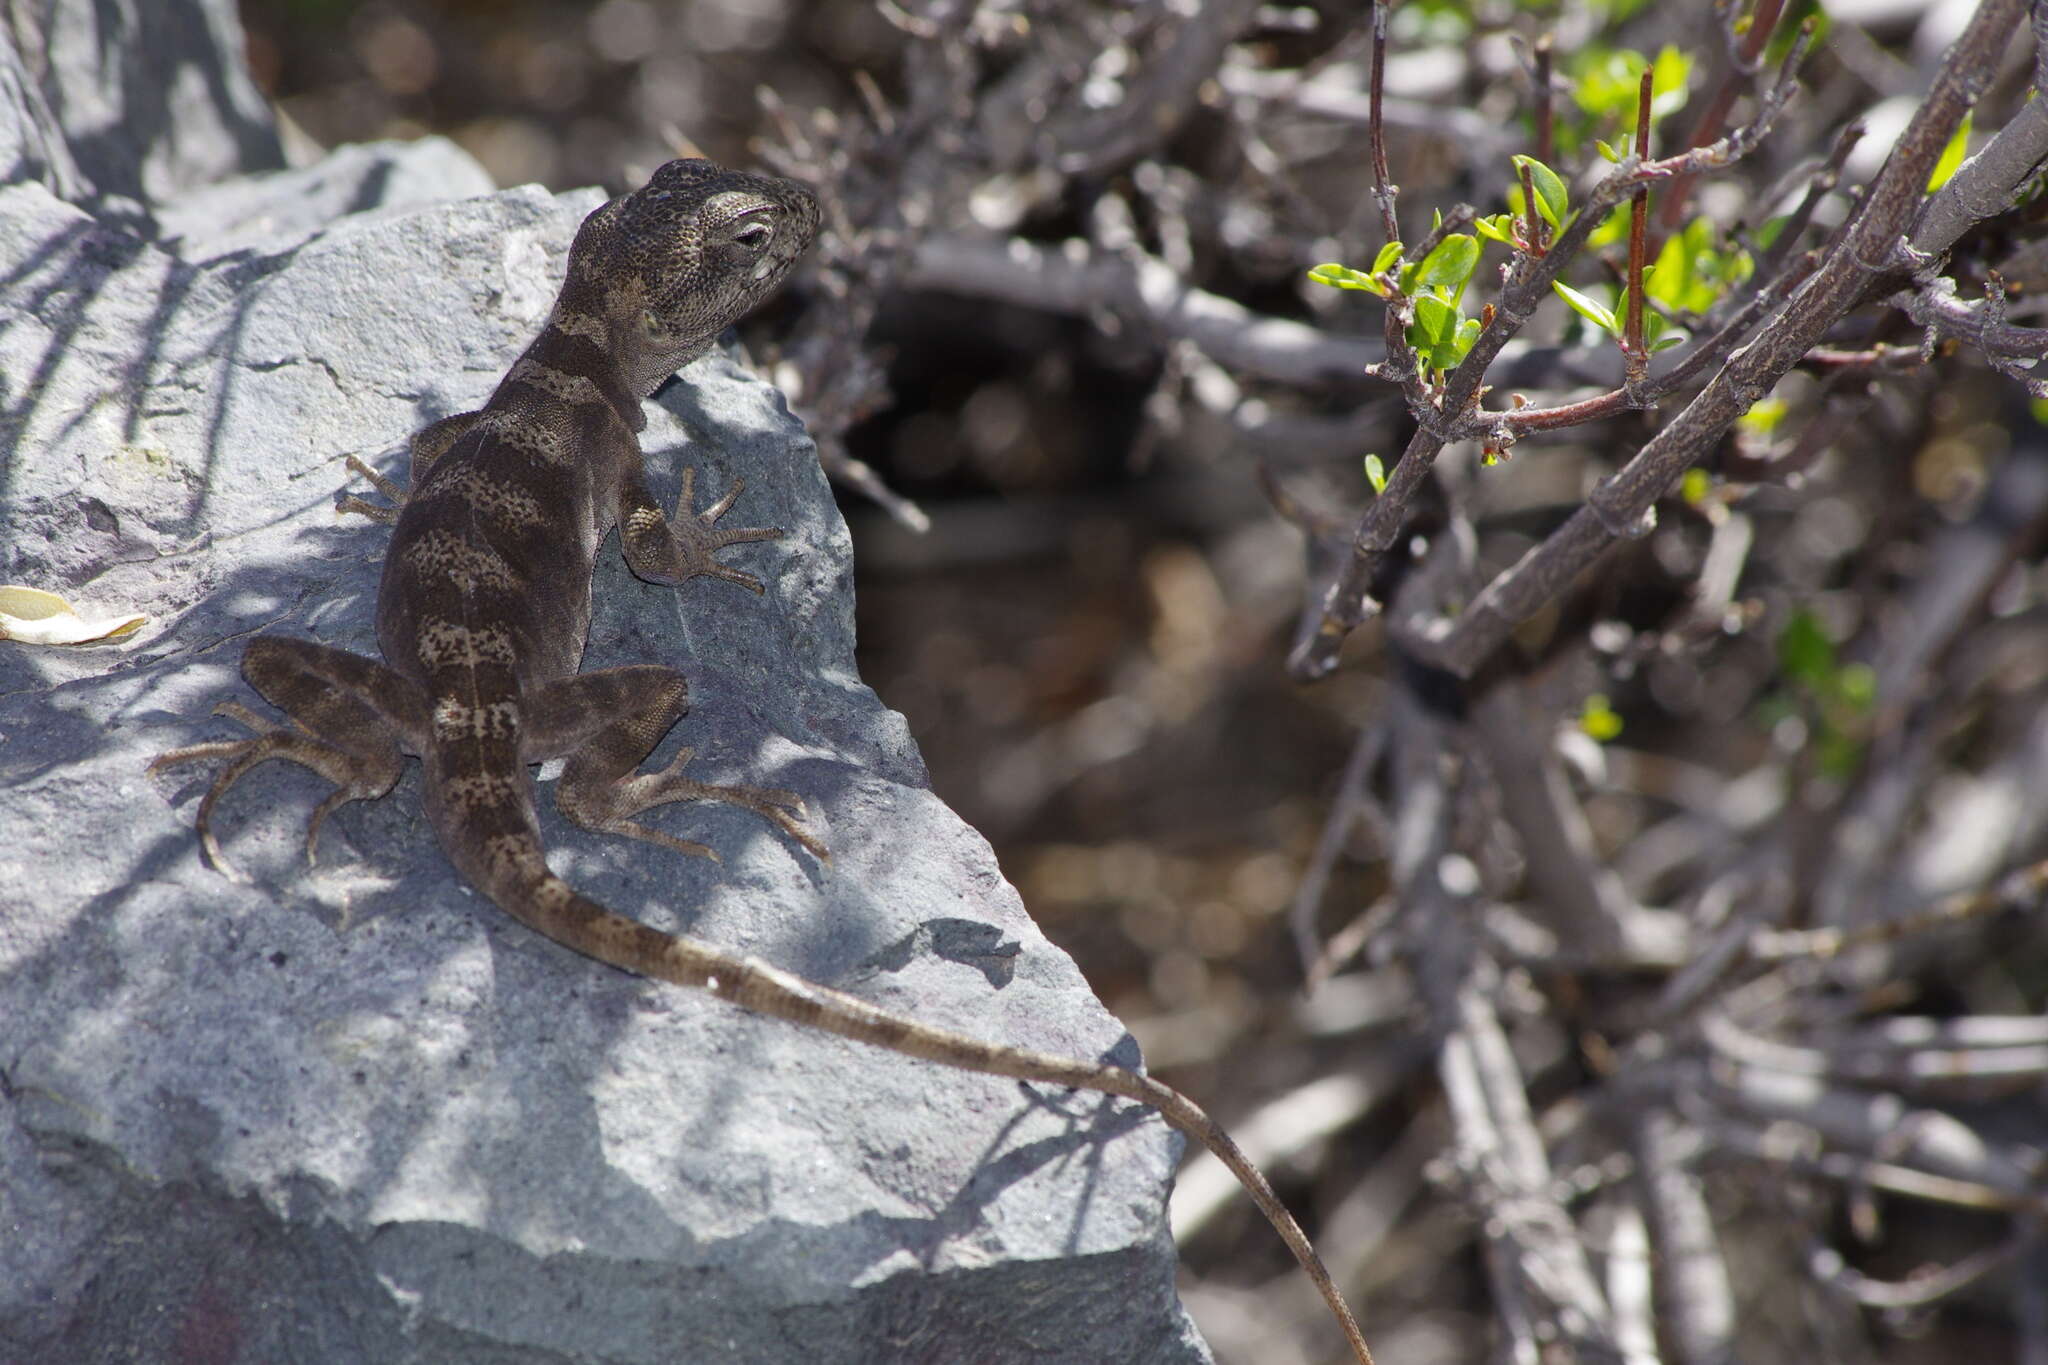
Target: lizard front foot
{"points": [[362, 506], [685, 546]]}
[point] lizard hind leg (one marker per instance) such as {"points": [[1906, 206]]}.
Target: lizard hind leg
{"points": [[606, 723], [346, 717]]}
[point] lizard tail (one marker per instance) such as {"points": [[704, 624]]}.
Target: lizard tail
{"points": [[550, 906]]}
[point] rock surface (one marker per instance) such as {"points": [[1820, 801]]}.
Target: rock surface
{"points": [[352, 1112]]}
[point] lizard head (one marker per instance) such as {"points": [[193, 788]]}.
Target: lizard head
{"points": [[676, 262]]}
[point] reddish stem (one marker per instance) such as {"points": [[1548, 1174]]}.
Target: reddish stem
{"points": [[1635, 357], [1762, 22], [1382, 190]]}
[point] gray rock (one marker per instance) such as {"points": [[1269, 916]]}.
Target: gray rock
{"points": [[257, 212], [351, 1111], [125, 103]]}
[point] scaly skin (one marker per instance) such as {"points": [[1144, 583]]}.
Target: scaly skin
{"points": [[484, 609]]}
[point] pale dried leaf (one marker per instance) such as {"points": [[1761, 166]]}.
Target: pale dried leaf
{"points": [[35, 617]]}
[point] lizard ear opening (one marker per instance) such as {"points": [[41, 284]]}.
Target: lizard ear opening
{"points": [[652, 325]]}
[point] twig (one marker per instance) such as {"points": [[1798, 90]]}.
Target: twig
{"points": [[1143, 291], [1344, 809], [1742, 64], [1984, 185], [1635, 356], [1821, 184], [1383, 188], [2024, 886], [1696, 1304], [1926, 1287], [1158, 100]]}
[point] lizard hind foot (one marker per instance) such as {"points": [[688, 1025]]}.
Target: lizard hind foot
{"points": [[355, 776], [239, 751], [609, 805], [783, 809]]}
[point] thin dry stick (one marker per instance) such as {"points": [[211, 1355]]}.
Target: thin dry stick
{"points": [[1351, 797], [1635, 357], [2023, 886], [1382, 189], [1744, 61]]}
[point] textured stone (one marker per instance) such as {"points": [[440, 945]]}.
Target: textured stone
{"points": [[352, 1111]]}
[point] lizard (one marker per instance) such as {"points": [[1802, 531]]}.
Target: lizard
{"points": [[483, 611]]}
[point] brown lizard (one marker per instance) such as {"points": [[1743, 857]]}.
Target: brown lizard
{"points": [[484, 609]]}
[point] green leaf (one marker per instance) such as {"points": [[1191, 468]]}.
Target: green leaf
{"points": [[1551, 199], [1441, 334], [1837, 755], [1763, 416], [1344, 277], [1591, 309], [1385, 261], [1667, 280], [1436, 322], [1805, 653], [1668, 77], [1695, 486], [1768, 233], [1613, 228], [1856, 687], [1597, 718], [1951, 155], [1448, 267], [1499, 228], [1601, 146], [1461, 344], [1375, 473], [1693, 270], [1665, 343]]}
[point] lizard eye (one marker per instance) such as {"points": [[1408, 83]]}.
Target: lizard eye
{"points": [[755, 236]]}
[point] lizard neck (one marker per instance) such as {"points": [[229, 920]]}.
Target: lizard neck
{"points": [[578, 358]]}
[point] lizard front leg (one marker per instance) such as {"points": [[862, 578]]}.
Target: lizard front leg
{"points": [[348, 719], [674, 549], [606, 723], [429, 444]]}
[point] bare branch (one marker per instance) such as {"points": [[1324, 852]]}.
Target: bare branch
{"points": [[1144, 291]]}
